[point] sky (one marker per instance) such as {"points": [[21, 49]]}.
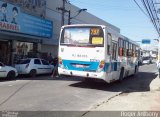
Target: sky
{"points": [[123, 14]]}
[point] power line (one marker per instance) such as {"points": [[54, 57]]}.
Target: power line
{"points": [[141, 8], [152, 14]]}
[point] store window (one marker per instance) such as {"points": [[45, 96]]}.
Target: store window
{"points": [[25, 50]]}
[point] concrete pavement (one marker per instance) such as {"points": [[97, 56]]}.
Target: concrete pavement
{"points": [[135, 101], [72, 94], [155, 84]]}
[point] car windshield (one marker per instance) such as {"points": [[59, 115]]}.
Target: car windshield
{"points": [[24, 61]]}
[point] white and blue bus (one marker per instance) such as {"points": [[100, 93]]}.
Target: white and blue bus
{"points": [[96, 51]]}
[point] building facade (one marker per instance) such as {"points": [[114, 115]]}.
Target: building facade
{"points": [[31, 28], [21, 33]]}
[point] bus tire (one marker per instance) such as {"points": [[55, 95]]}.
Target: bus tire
{"points": [[121, 74]]}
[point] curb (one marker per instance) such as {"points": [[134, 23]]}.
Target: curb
{"points": [[155, 84]]}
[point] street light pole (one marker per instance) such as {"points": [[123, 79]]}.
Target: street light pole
{"points": [[69, 15], [63, 11]]}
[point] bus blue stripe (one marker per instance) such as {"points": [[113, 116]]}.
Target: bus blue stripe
{"points": [[90, 66]]}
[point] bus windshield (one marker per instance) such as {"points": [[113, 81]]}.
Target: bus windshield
{"points": [[82, 36]]}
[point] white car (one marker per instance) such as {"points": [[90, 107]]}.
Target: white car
{"points": [[147, 60], [7, 71], [34, 66]]}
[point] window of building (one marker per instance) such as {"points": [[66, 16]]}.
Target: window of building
{"points": [[26, 50]]}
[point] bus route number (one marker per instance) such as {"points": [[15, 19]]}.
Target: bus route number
{"points": [[95, 31]]}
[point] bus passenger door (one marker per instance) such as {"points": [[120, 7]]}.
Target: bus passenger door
{"points": [[115, 68]]}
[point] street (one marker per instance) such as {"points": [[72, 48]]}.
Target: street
{"points": [[44, 93]]}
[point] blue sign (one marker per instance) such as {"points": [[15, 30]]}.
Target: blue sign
{"points": [[146, 41], [12, 19]]}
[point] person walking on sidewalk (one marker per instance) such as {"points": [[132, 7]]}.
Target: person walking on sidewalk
{"points": [[55, 63], [158, 67]]}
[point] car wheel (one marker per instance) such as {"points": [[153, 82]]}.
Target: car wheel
{"points": [[33, 73], [11, 75]]}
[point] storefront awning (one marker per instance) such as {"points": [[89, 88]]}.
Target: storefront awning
{"points": [[20, 37]]}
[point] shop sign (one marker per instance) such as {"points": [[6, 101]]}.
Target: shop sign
{"points": [[13, 19]]}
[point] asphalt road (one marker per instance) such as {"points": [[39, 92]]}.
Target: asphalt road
{"points": [[44, 93]]}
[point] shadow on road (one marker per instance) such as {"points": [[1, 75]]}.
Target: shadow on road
{"points": [[26, 77], [6, 79], [42, 77], [138, 83]]}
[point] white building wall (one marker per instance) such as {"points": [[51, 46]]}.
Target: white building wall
{"points": [[54, 15]]}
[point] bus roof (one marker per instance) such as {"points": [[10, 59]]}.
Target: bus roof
{"points": [[73, 25]]}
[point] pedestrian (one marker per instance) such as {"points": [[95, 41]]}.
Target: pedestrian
{"points": [[55, 63], [158, 67], [49, 58]]}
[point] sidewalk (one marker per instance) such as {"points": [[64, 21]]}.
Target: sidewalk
{"points": [[155, 84], [136, 101]]}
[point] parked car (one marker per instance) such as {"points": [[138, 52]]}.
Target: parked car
{"points": [[34, 66], [7, 71]]}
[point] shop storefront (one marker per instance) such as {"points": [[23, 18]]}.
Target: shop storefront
{"points": [[21, 34], [5, 51], [26, 50]]}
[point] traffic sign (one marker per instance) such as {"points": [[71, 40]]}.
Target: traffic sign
{"points": [[146, 41]]}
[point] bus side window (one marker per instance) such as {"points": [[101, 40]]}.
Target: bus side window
{"points": [[134, 50], [127, 48], [114, 51], [130, 50], [137, 51], [109, 41], [120, 47], [124, 48]]}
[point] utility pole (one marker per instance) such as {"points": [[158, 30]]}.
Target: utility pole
{"points": [[63, 11], [69, 17]]}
